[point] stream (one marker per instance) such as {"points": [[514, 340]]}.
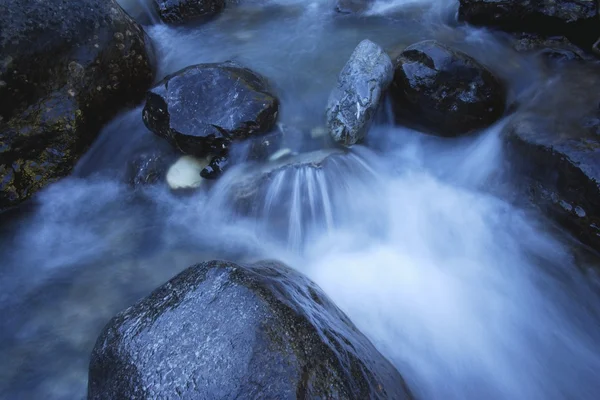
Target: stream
{"points": [[420, 240]]}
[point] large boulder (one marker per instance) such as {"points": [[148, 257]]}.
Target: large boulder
{"points": [[220, 330], [202, 108], [576, 19], [178, 11], [444, 91], [66, 68], [360, 86], [554, 145]]}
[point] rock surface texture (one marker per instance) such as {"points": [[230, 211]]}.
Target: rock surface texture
{"points": [[202, 108], [360, 87], [66, 68], [576, 19], [444, 91], [179, 11], [557, 158], [221, 331]]}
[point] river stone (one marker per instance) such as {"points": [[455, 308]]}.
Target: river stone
{"points": [[178, 11], [360, 86], [202, 108], [576, 19], [554, 147], [220, 330], [444, 91], [66, 68]]}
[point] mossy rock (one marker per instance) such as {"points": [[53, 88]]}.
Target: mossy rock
{"points": [[66, 68]]}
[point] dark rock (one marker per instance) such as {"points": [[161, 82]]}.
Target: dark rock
{"points": [[220, 330], [149, 168], [66, 68], [554, 48], [560, 164], [353, 6], [360, 86], [576, 19], [215, 167], [444, 91], [178, 11], [261, 148], [202, 108], [555, 149]]}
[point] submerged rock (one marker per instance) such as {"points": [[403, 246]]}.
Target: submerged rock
{"points": [[148, 168], [66, 68], [444, 91], [200, 109], [352, 104], [248, 189], [576, 19], [220, 330], [554, 48], [178, 11]]}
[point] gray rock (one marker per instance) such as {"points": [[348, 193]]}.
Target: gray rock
{"points": [[352, 104], [66, 68], [220, 330]]}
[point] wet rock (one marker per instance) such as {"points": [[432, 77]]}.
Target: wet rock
{"points": [[554, 146], [554, 48], [576, 19], [261, 148], [354, 101], [220, 330], [444, 91], [559, 164], [202, 108], [353, 6], [66, 68], [215, 167], [148, 168], [178, 11]]}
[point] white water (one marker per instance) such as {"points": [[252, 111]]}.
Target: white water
{"points": [[415, 239]]}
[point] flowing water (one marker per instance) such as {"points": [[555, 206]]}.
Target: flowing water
{"points": [[417, 238]]}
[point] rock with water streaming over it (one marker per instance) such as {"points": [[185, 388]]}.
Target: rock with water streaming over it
{"points": [[66, 68], [220, 330], [558, 161], [360, 87], [554, 144], [576, 19], [202, 108], [178, 11], [444, 91]]}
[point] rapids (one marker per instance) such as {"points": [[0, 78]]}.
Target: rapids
{"points": [[420, 240]]}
